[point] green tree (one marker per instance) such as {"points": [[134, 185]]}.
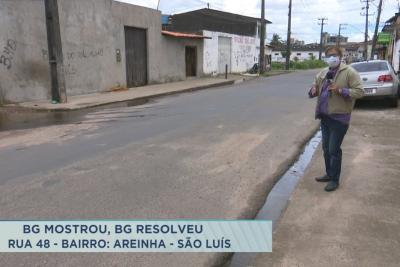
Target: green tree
{"points": [[284, 53], [276, 40]]}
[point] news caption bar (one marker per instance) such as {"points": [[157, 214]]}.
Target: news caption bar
{"points": [[136, 236]]}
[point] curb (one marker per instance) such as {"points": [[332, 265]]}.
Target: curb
{"points": [[225, 259], [191, 89]]}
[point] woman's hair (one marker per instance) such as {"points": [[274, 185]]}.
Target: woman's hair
{"points": [[334, 48]]}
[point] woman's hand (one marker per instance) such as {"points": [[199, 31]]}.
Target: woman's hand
{"points": [[313, 92], [334, 88]]}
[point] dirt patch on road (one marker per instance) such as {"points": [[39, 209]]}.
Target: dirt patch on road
{"points": [[232, 152], [38, 136]]}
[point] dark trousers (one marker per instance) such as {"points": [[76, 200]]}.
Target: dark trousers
{"points": [[333, 132]]}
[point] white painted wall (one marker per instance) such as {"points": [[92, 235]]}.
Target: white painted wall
{"points": [[301, 55], [244, 52], [268, 50], [305, 55], [276, 56]]}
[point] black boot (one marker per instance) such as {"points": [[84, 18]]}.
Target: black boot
{"points": [[324, 178], [332, 186]]}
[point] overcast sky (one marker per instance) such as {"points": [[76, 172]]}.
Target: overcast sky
{"points": [[305, 14]]}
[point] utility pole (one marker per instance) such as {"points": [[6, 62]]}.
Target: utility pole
{"points": [[58, 90], [262, 38], [322, 32], [288, 36], [339, 36], [376, 29], [365, 54], [158, 5]]}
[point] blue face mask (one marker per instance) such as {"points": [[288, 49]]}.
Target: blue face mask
{"points": [[333, 61]]}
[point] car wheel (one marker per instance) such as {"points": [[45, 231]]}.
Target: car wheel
{"points": [[394, 102]]}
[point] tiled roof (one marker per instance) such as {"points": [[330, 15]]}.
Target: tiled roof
{"points": [[184, 35]]}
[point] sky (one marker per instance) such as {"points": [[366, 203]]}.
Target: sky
{"points": [[305, 14]]}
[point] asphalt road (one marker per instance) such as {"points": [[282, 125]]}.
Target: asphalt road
{"points": [[208, 154]]}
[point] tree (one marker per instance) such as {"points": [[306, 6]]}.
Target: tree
{"points": [[283, 53], [276, 40]]}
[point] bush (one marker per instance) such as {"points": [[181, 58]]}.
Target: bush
{"points": [[300, 65], [277, 66]]}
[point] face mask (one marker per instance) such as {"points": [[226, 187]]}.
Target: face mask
{"points": [[333, 61]]}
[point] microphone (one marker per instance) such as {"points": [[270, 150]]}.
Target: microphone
{"points": [[329, 77]]}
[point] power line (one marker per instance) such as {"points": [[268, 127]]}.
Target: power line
{"points": [[340, 11], [210, 4], [355, 28], [304, 6]]}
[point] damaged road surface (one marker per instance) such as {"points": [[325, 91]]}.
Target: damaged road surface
{"points": [[201, 155]]}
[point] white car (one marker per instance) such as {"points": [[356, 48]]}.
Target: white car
{"points": [[379, 79]]}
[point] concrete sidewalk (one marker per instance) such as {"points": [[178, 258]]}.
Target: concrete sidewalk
{"points": [[104, 98], [358, 225]]}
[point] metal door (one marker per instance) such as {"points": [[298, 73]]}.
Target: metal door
{"points": [[191, 62], [136, 56], [224, 54]]}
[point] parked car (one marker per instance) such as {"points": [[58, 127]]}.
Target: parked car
{"points": [[379, 79]]}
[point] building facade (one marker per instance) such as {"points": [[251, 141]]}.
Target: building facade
{"points": [[105, 44], [298, 53], [233, 42], [328, 39], [392, 46]]}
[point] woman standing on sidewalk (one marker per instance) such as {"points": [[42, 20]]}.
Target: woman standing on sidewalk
{"points": [[337, 88]]}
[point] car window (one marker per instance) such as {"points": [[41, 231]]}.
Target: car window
{"points": [[370, 66]]}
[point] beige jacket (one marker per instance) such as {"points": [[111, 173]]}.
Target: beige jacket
{"points": [[346, 77]]}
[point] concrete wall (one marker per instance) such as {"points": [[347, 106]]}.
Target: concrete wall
{"points": [[24, 74], [91, 32], [244, 52], [145, 18], [396, 56], [166, 55], [174, 57], [89, 40]]}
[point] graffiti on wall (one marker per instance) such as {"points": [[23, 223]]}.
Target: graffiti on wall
{"points": [[208, 60], [7, 55], [71, 58], [244, 40], [77, 55], [69, 70], [243, 55], [84, 54]]}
